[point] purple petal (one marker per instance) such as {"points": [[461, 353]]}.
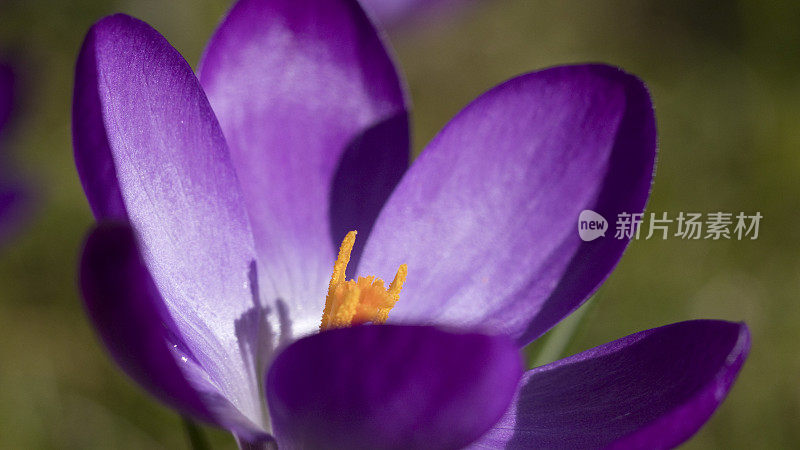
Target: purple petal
{"points": [[486, 218], [314, 114], [390, 387], [128, 313], [149, 151], [650, 390]]}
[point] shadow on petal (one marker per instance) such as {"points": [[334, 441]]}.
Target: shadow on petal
{"points": [[626, 187], [368, 171], [257, 336]]}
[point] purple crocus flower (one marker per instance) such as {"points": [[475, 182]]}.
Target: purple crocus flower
{"points": [[222, 199]]}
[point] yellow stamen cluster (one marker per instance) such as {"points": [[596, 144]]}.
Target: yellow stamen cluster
{"points": [[353, 302]]}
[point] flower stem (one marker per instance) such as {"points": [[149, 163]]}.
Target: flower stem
{"points": [[197, 439]]}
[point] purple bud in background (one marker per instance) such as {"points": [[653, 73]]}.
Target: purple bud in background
{"points": [[13, 196]]}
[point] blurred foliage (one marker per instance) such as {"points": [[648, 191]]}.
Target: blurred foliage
{"points": [[723, 76]]}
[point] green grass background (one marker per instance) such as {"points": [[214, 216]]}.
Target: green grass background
{"points": [[724, 80]]}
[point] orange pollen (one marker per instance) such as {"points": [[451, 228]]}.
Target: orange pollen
{"points": [[353, 302]]}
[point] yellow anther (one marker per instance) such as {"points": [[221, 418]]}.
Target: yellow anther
{"points": [[358, 301], [397, 283]]}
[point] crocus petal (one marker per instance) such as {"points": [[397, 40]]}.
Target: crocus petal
{"points": [[486, 218], [650, 390], [129, 315], [314, 114], [390, 387], [149, 151]]}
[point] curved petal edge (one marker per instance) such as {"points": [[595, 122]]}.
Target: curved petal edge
{"points": [[487, 217], [650, 390], [150, 152], [390, 387]]}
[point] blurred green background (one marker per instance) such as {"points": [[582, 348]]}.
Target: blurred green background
{"points": [[724, 79]]}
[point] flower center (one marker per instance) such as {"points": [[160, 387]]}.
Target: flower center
{"points": [[353, 302]]}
